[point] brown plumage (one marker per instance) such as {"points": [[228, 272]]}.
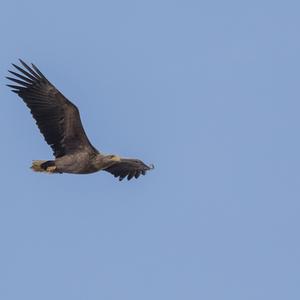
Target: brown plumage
{"points": [[59, 121]]}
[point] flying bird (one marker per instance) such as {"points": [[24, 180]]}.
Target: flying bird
{"points": [[59, 121]]}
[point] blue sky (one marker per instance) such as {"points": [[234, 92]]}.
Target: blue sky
{"points": [[208, 91]]}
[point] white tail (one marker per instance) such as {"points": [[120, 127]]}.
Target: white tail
{"points": [[36, 166]]}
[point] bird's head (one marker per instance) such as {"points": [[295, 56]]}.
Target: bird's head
{"points": [[105, 161], [112, 158]]}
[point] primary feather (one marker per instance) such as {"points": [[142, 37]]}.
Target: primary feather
{"points": [[57, 118]]}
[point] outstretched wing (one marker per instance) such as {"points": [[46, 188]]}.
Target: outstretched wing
{"points": [[128, 167], [57, 118]]}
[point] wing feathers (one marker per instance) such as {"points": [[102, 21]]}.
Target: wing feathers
{"points": [[38, 71], [21, 76], [24, 72], [57, 118], [128, 168], [15, 86], [18, 81], [29, 69]]}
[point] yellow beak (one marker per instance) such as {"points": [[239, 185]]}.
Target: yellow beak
{"points": [[116, 158]]}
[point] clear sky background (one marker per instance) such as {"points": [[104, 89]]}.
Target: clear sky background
{"points": [[209, 92]]}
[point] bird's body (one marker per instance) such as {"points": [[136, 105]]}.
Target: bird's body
{"points": [[80, 163], [59, 121], [76, 163]]}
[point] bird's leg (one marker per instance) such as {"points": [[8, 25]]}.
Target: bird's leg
{"points": [[51, 169]]}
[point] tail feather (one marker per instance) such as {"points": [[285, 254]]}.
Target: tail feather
{"points": [[47, 166], [36, 165]]}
